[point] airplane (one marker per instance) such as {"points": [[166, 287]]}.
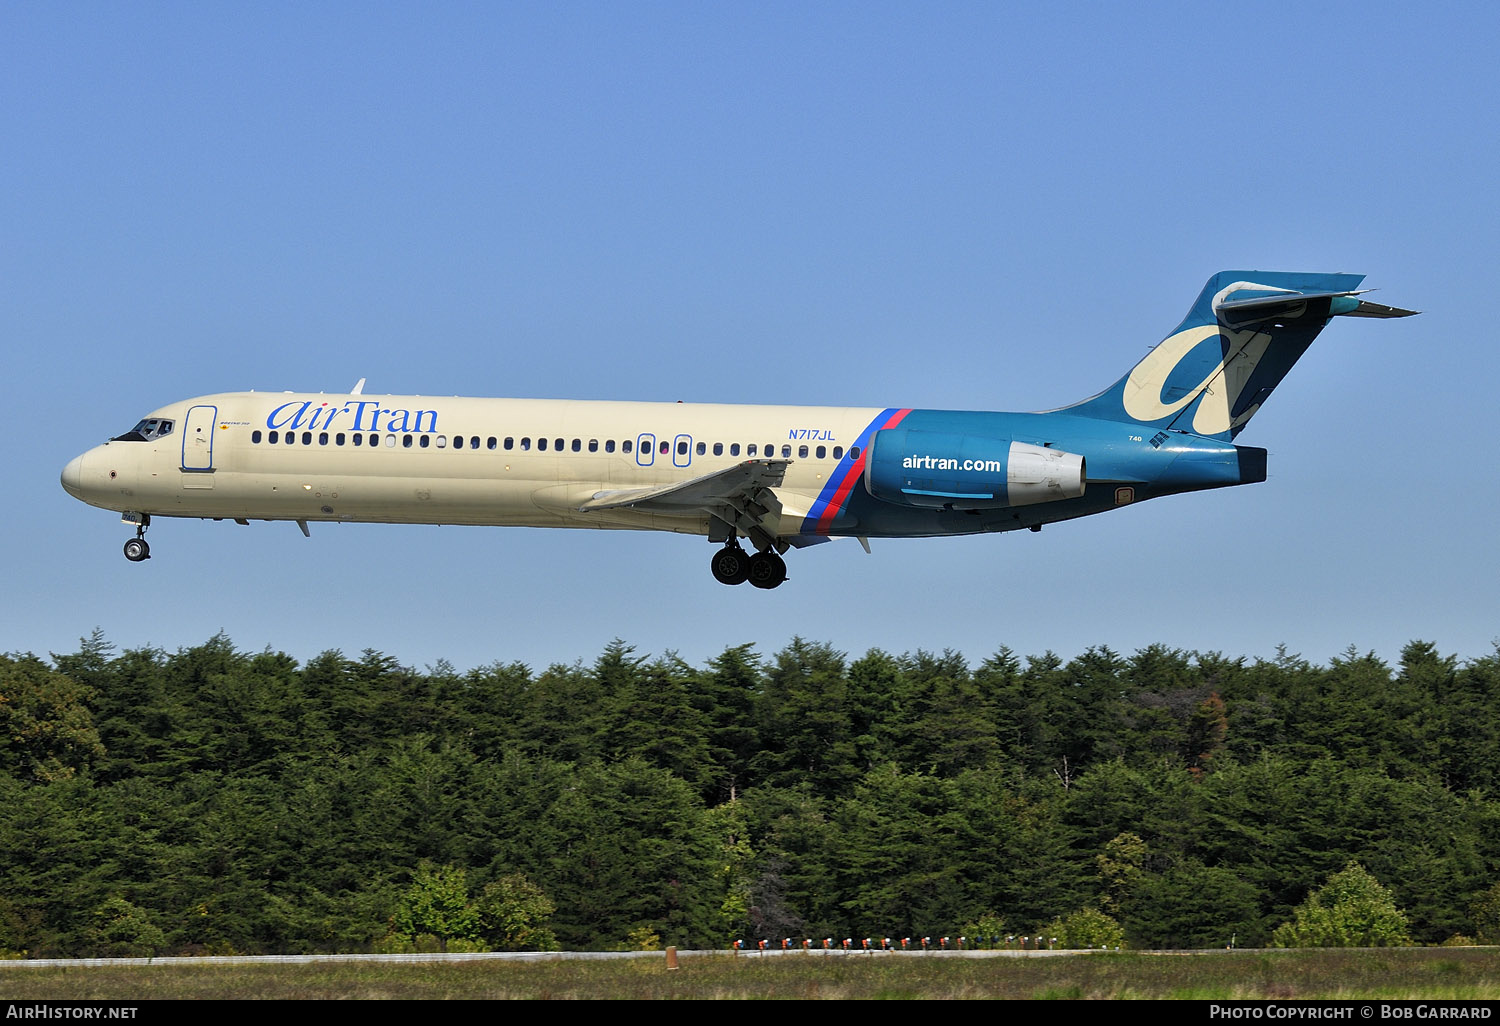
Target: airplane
{"points": [[780, 477]]}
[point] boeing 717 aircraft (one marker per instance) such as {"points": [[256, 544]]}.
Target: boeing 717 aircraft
{"points": [[778, 477]]}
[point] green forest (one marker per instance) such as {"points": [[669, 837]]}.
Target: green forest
{"points": [[214, 801]]}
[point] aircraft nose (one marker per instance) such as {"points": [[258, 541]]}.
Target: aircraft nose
{"points": [[72, 477]]}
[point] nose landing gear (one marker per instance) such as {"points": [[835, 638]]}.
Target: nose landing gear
{"points": [[136, 548]]}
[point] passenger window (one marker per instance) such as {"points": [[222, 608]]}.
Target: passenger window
{"points": [[525, 444], [474, 442], [718, 448], [577, 445], [424, 442], [541, 445], [290, 438], [625, 445], [510, 443], [358, 438], [682, 448], [609, 445], [458, 441], [442, 441], [559, 445], [666, 447], [338, 439], [492, 442], [854, 452], [255, 437], [822, 452], [322, 437], [801, 452], [307, 438], [375, 440], [838, 452], [702, 449], [406, 441], [593, 445], [734, 448], [750, 449], [390, 441]]}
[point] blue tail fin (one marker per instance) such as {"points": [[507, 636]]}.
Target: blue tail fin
{"points": [[1234, 346]]}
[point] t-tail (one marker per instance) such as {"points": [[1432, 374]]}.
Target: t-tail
{"points": [[1238, 341]]}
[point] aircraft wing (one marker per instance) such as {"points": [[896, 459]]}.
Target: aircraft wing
{"points": [[740, 495]]}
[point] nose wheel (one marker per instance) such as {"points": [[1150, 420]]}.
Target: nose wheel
{"points": [[136, 548]]}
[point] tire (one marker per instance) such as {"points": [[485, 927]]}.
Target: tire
{"points": [[730, 565], [767, 570], [136, 550]]}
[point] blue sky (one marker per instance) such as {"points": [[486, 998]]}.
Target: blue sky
{"points": [[973, 206]]}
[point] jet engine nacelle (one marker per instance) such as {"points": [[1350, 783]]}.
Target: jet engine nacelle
{"points": [[936, 469]]}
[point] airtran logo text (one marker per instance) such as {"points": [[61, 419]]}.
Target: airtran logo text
{"points": [[353, 415], [948, 463]]}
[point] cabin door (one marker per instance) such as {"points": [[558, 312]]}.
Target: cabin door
{"points": [[198, 439]]}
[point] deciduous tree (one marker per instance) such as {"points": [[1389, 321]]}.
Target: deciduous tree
{"points": [[1352, 910]]}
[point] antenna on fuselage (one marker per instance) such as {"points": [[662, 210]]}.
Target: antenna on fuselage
{"points": [[359, 387]]}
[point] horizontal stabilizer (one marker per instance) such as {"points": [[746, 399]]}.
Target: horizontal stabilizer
{"points": [[1289, 305], [1369, 309]]}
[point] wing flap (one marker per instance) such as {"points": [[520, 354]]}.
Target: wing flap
{"points": [[742, 495], [695, 494]]}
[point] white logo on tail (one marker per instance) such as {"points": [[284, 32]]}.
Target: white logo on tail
{"points": [[1220, 387]]}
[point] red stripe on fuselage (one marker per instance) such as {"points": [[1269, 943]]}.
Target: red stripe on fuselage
{"points": [[853, 474]]}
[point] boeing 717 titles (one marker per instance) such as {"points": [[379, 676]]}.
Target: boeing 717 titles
{"points": [[775, 477]]}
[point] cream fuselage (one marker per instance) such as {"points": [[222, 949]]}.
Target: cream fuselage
{"points": [[219, 462]]}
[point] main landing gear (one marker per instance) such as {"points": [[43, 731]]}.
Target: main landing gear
{"points": [[136, 548], [733, 565]]}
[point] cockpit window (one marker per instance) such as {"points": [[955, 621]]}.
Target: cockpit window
{"points": [[146, 430]]}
